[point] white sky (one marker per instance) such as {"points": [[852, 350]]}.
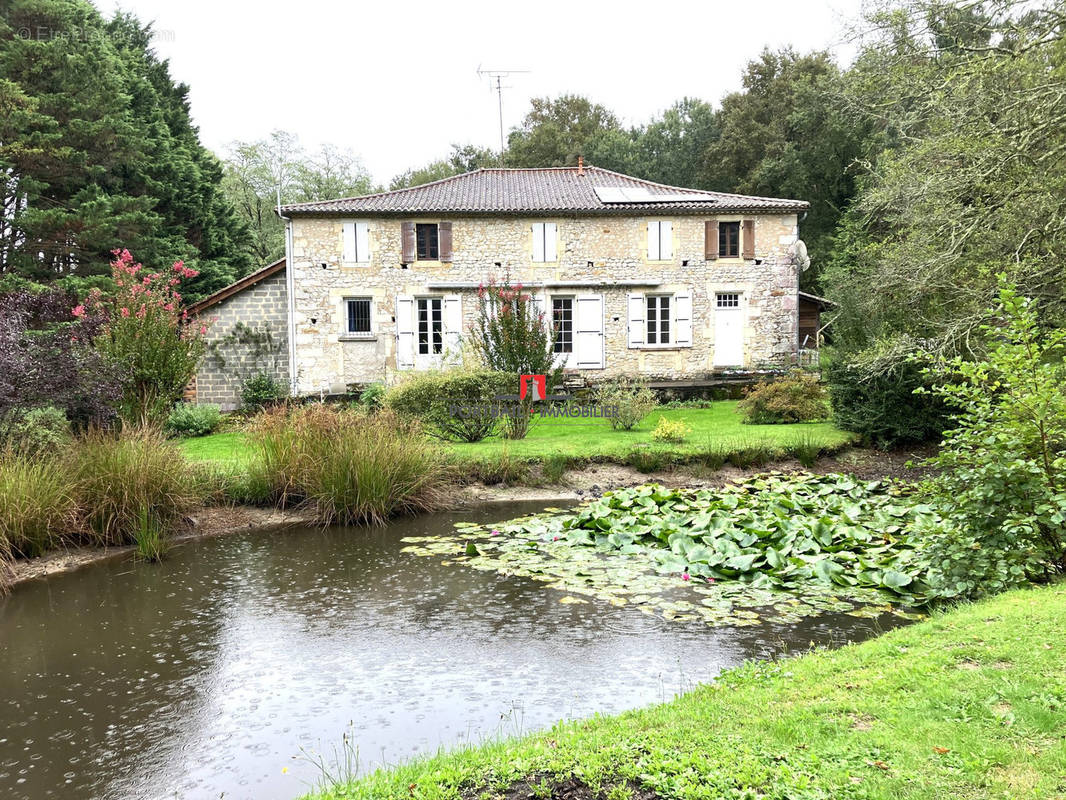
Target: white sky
{"points": [[397, 83]]}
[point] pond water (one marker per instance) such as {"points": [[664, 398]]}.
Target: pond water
{"points": [[212, 674]]}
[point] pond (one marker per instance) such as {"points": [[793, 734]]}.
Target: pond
{"points": [[212, 674]]}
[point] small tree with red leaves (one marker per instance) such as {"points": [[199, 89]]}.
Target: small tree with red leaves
{"points": [[148, 336]]}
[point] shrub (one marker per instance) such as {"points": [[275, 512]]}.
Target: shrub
{"points": [[350, 467], [647, 461], [796, 397], [511, 334], [873, 394], [262, 390], [35, 431], [1002, 466], [187, 419], [131, 489], [753, 454], [671, 430], [632, 401], [147, 338], [373, 396], [457, 405], [37, 507]]}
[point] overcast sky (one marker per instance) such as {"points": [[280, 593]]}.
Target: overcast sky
{"points": [[397, 83]]}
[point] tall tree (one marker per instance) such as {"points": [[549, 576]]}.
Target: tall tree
{"points": [[99, 151], [555, 132], [257, 172]]}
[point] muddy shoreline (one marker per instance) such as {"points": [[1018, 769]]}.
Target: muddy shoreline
{"points": [[578, 485]]}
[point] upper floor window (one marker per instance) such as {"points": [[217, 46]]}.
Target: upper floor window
{"points": [[358, 315], [563, 324], [658, 318], [660, 240], [545, 246], [428, 244], [356, 242], [729, 240]]}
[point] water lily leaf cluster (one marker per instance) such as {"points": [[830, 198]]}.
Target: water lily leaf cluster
{"points": [[773, 531]]}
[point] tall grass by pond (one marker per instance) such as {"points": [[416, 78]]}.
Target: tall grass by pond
{"points": [[348, 466], [100, 489]]}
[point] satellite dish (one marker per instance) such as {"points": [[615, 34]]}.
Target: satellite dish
{"points": [[798, 251]]}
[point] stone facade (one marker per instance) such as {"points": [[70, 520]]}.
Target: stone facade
{"points": [[596, 255], [231, 357]]}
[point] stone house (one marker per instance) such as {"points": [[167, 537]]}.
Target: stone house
{"points": [[636, 278]]}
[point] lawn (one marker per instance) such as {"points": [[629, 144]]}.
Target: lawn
{"points": [[717, 426], [969, 704]]}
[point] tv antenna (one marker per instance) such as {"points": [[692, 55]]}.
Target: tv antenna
{"points": [[497, 85]]}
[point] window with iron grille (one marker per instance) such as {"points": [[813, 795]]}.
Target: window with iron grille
{"points": [[358, 315], [728, 239], [658, 317], [728, 300], [430, 326], [426, 236], [563, 324]]}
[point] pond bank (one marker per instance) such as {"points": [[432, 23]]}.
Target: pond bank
{"points": [[879, 719], [576, 485]]}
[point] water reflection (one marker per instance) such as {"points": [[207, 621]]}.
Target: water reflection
{"points": [[205, 675]]}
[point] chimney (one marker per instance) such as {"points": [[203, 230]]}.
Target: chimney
{"points": [[580, 165]]}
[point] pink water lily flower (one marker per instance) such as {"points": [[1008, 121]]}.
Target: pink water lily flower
{"points": [[710, 580], [495, 533], [684, 576]]}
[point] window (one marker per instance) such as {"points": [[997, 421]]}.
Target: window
{"points": [[356, 242], [358, 309], [658, 318], [544, 242], [427, 243], [728, 300], [660, 240], [563, 324], [729, 240], [430, 325]]}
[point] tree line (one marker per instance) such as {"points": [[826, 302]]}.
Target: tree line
{"points": [[932, 162]]}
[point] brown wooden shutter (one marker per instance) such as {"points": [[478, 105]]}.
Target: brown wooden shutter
{"points": [[748, 238], [444, 241], [710, 239], [407, 235]]}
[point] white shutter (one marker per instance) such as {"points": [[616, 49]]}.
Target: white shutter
{"points": [[588, 331], [362, 242], [551, 247], [683, 319], [405, 332], [538, 241], [349, 243], [452, 323], [666, 240], [636, 321], [653, 241]]}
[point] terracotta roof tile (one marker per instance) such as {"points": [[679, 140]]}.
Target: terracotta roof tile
{"points": [[531, 191]]}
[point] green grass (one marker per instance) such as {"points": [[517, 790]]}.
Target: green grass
{"points": [[969, 704], [716, 428]]}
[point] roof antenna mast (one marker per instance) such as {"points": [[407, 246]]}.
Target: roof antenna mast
{"points": [[496, 84]]}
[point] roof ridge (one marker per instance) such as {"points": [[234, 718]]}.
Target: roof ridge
{"points": [[384, 193]]}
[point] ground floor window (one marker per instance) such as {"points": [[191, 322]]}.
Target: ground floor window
{"points": [[358, 316], [658, 318], [430, 326], [563, 324]]}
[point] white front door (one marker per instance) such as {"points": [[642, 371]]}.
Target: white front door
{"points": [[588, 332], [429, 332], [728, 330]]}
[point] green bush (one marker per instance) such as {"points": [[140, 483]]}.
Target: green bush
{"points": [[796, 397], [373, 396], [631, 400], [873, 394], [1001, 480], [262, 390], [350, 467], [671, 430], [35, 431], [647, 460], [131, 489], [456, 405], [191, 420], [37, 507]]}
